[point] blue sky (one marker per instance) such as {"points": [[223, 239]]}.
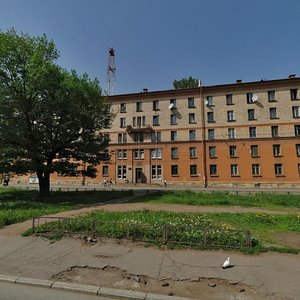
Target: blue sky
{"points": [[157, 41]]}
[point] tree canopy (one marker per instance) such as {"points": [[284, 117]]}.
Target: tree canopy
{"points": [[186, 83], [50, 118]]}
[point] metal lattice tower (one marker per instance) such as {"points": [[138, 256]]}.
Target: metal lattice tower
{"points": [[111, 73]]}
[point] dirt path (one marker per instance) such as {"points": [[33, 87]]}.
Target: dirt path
{"points": [[16, 229]]}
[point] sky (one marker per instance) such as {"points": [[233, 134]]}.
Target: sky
{"points": [[157, 41]]}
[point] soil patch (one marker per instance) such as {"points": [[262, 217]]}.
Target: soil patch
{"points": [[196, 288], [290, 239]]}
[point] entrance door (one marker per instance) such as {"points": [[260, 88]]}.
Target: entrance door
{"points": [[139, 175]]}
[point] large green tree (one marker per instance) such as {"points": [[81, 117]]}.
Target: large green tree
{"points": [[50, 118], [186, 83]]}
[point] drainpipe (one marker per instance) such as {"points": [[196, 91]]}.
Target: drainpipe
{"points": [[204, 156]]}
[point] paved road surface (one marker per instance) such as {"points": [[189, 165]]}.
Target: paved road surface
{"points": [[10, 291]]}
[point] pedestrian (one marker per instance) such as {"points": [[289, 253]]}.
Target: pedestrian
{"points": [[165, 182], [110, 182], [104, 182]]}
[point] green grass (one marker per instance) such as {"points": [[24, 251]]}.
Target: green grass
{"points": [[261, 226], [19, 205], [263, 200]]}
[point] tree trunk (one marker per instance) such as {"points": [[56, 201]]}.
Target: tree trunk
{"points": [[44, 183]]}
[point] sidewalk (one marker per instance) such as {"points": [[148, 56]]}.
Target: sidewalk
{"points": [[270, 275]]}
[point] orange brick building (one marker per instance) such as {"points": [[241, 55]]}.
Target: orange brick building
{"points": [[232, 134]]}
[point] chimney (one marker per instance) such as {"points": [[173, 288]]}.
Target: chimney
{"points": [[145, 90], [292, 76], [239, 81]]}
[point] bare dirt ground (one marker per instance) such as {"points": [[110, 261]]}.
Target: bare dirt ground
{"points": [[197, 288]]}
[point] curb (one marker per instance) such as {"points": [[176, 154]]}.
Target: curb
{"points": [[88, 289]]}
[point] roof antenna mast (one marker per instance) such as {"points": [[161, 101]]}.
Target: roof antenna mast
{"points": [[111, 73]]}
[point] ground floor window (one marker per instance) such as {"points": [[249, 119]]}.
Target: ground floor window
{"points": [[234, 170], [104, 170], [193, 170], [122, 172], [278, 169], [255, 169], [174, 170], [156, 172], [213, 171]]}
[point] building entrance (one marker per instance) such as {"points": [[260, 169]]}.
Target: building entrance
{"points": [[140, 176]]}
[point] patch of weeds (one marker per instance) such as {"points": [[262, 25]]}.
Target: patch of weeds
{"points": [[55, 236], [27, 232]]}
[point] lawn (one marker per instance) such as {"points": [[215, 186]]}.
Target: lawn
{"points": [[19, 205], [224, 229], [263, 200]]}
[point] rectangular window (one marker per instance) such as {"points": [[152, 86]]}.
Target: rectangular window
{"points": [[212, 151], [155, 153], [122, 122], [299, 169], [139, 153], [139, 122], [273, 113], [143, 120], [234, 170], [254, 150], [156, 172], [296, 112], [158, 136], [174, 153], [193, 170], [155, 105], [173, 103], [173, 119], [276, 150], [211, 134], [294, 94], [252, 132], [192, 118], [155, 136], [229, 99], [249, 97], [191, 102], [231, 133], [209, 101], [210, 117], [155, 120], [232, 151], [251, 114], [104, 170], [193, 152], [271, 96], [255, 169], [298, 149], [230, 116], [274, 131], [119, 138], [213, 171], [297, 130], [173, 135], [122, 172], [119, 154], [123, 107], [134, 121], [278, 169], [192, 135], [139, 106], [138, 137], [174, 170]]}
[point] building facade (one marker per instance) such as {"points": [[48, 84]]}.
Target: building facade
{"points": [[233, 134]]}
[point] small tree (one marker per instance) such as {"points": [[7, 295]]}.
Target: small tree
{"points": [[49, 118], [186, 83]]}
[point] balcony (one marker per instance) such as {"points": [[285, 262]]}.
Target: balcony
{"points": [[146, 129]]}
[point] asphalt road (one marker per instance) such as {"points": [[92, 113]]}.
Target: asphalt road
{"points": [[10, 291]]}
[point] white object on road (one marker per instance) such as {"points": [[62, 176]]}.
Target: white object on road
{"points": [[226, 263]]}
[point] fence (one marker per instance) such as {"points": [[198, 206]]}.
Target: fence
{"points": [[172, 234]]}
